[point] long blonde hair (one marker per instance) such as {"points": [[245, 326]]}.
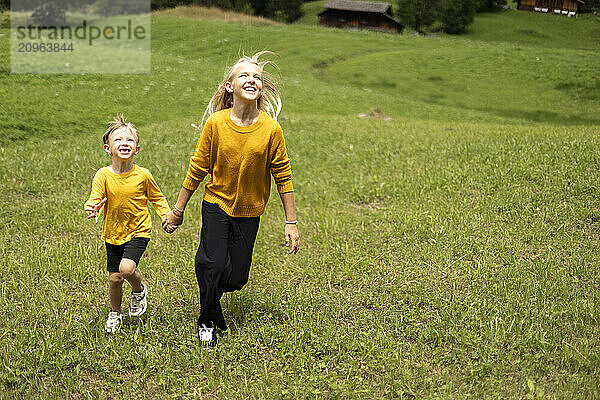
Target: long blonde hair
{"points": [[270, 100]]}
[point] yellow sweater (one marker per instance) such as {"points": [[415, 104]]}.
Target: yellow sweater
{"points": [[240, 161], [126, 213]]}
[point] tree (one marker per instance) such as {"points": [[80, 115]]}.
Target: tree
{"points": [[590, 6], [457, 14], [485, 5], [451, 16], [48, 15], [418, 14], [281, 10]]}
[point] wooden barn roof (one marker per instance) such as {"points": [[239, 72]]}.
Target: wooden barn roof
{"points": [[365, 6]]}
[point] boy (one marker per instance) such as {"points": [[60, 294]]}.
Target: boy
{"points": [[123, 189]]}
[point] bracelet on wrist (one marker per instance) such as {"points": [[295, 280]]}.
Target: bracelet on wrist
{"points": [[294, 222], [175, 208]]}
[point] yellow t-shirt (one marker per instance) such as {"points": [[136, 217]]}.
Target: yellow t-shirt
{"points": [[240, 161], [126, 213]]}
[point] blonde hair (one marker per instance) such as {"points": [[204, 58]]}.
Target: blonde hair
{"points": [[270, 100], [117, 123]]}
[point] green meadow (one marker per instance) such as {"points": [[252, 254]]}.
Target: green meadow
{"points": [[450, 234]]}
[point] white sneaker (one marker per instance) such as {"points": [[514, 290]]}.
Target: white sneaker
{"points": [[139, 302], [207, 334], [114, 322]]}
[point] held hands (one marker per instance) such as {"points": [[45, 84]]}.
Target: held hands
{"points": [[94, 210], [172, 221], [292, 236]]}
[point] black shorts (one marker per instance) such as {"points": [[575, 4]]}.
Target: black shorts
{"points": [[132, 250]]}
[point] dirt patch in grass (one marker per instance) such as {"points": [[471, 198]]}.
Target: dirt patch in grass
{"points": [[532, 33], [369, 204], [375, 113], [215, 14]]}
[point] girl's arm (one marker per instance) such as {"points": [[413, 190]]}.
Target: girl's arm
{"points": [[282, 174], [175, 217], [280, 163], [291, 229]]}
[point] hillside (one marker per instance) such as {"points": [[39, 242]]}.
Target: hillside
{"points": [[214, 14], [447, 196], [543, 70]]}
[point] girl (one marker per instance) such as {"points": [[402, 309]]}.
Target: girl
{"points": [[241, 146]]}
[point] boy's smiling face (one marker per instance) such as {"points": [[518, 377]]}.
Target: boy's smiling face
{"points": [[122, 144]]}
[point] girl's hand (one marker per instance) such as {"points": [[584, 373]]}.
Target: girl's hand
{"points": [[94, 210], [169, 228], [171, 222], [291, 235]]}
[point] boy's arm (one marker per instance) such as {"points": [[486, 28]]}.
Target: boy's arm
{"points": [[97, 197], [156, 197]]}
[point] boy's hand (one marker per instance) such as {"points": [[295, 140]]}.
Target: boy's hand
{"points": [[94, 211], [291, 235]]}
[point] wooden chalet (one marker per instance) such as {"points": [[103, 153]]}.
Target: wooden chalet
{"points": [[570, 8], [360, 15]]}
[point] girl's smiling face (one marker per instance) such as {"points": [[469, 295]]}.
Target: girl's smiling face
{"points": [[246, 82]]}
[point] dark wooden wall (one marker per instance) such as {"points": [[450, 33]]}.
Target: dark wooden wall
{"points": [[565, 6], [358, 20]]}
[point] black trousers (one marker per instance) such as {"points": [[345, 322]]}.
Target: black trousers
{"points": [[223, 259]]}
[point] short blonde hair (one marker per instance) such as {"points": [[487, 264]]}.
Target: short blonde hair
{"points": [[270, 100], [117, 123]]}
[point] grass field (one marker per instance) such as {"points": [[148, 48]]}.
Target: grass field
{"points": [[450, 250]]}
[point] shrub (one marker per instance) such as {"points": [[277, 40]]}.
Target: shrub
{"points": [[590, 6], [486, 5], [280, 10], [456, 15], [451, 16]]}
